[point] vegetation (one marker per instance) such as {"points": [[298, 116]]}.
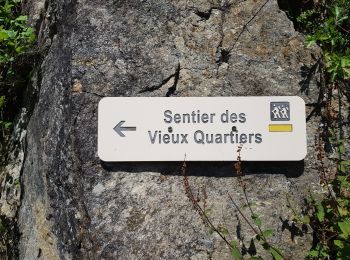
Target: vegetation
{"points": [[15, 66], [254, 222], [327, 24], [15, 40]]}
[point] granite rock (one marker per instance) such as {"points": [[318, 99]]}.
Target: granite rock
{"points": [[73, 206]]}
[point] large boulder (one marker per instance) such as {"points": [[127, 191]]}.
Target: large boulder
{"points": [[75, 206]]}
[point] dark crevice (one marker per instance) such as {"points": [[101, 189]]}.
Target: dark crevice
{"points": [[172, 89], [53, 30], [93, 93], [155, 87], [164, 82], [39, 253], [204, 15], [224, 56]]}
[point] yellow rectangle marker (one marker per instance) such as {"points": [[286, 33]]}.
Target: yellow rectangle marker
{"points": [[280, 128]]}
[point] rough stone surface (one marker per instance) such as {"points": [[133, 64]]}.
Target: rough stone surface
{"points": [[10, 176], [75, 206]]}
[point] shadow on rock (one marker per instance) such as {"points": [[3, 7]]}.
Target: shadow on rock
{"points": [[291, 169], [307, 74], [293, 229]]}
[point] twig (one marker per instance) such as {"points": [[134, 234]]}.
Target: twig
{"points": [[198, 208], [323, 171], [243, 216]]}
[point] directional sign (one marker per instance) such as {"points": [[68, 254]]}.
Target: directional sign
{"points": [[201, 129]]}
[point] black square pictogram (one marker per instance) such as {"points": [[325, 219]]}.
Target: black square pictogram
{"points": [[279, 111]]}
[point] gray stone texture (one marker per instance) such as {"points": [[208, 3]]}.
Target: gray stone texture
{"points": [[75, 206]]}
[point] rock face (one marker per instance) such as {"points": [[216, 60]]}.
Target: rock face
{"points": [[75, 206]]}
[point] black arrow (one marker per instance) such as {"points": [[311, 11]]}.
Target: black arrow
{"points": [[119, 128]]}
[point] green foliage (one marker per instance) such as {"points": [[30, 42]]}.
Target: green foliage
{"points": [[267, 233], [330, 216], [262, 237], [2, 101], [257, 220], [276, 254], [328, 25], [15, 39], [236, 254], [15, 36]]}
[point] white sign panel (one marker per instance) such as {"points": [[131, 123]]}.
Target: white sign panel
{"points": [[201, 128]]}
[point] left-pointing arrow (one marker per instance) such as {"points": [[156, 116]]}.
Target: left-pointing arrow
{"points": [[119, 128]]}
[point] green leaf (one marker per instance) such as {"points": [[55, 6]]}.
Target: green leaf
{"points": [[235, 251], [343, 166], [3, 35], [7, 125], [344, 252], [19, 49], [345, 228], [310, 40], [267, 233], [314, 253], [336, 11], [247, 205], [22, 18], [2, 101], [257, 220], [305, 219], [207, 211], [224, 231], [320, 212], [344, 182], [345, 61], [339, 243], [346, 73], [28, 33], [11, 33], [234, 243], [323, 37], [277, 255], [341, 149], [16, 182]]}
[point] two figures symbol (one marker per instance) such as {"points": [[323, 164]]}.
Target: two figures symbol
{"points": [[280, 112]]}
